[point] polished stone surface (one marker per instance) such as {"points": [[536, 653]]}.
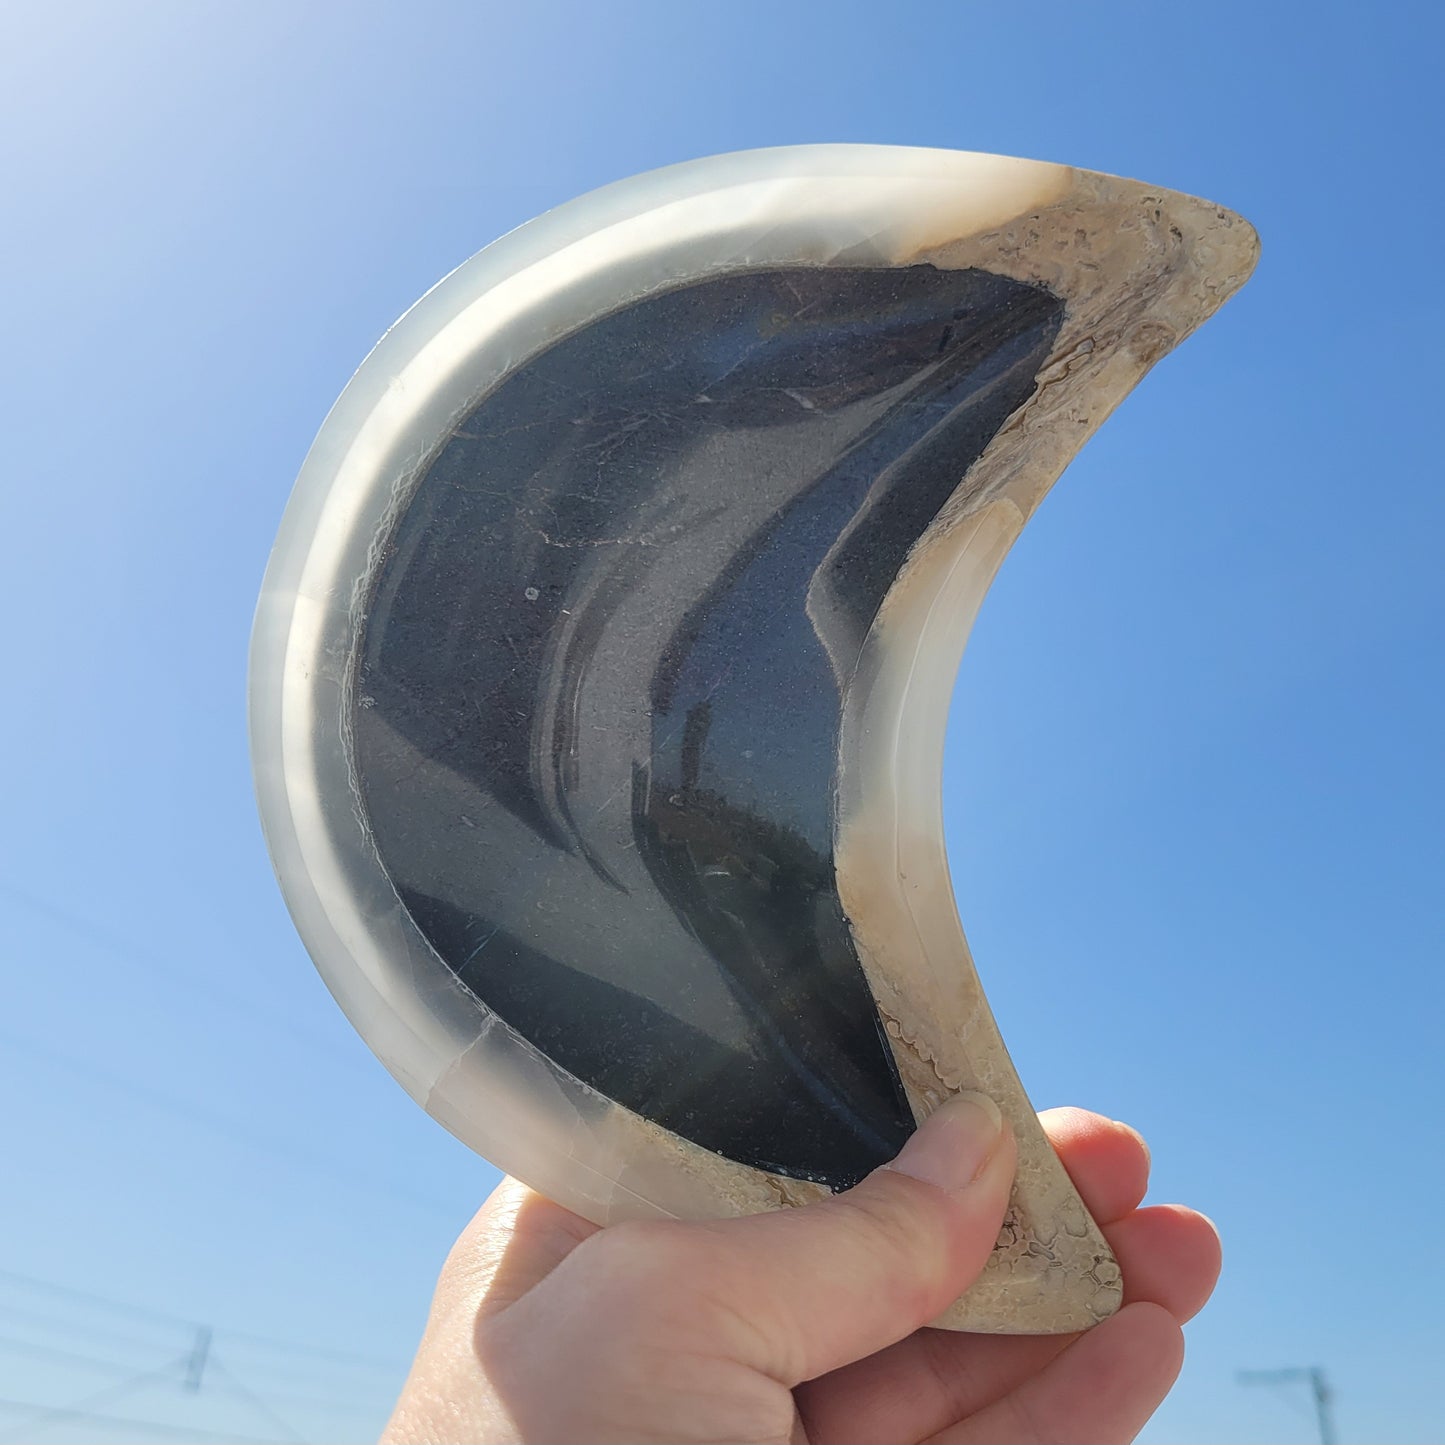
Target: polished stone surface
{"points": [[597, 707]]}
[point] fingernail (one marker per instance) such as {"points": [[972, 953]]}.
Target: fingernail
{"points": [[954, 1143]]}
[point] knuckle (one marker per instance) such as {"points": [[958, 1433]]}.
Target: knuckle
{"points": [[636, 1263], [905, 1229], [896, 1210], [653, 1283]]}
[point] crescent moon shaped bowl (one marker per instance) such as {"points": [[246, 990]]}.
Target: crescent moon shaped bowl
{"points": [[601, 669]]}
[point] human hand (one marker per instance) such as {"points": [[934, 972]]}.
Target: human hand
{"points": [[807, 1324]]}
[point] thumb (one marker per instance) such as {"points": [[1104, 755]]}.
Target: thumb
{"points": [[822, 1286]]}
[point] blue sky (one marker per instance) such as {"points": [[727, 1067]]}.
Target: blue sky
{"points": [[1194, 789]]}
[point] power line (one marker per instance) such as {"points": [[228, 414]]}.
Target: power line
{"points": [[72, 1327], [151, 1427], [55, 1352], [219, 1124], [1314, 1376], [189, 978], [323, 1375], [266, 1363], [53, 1415], [319, 1402], [181, 1322], [200, 1365], [85, 1296], [246, 1393], [320, 1352]]}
